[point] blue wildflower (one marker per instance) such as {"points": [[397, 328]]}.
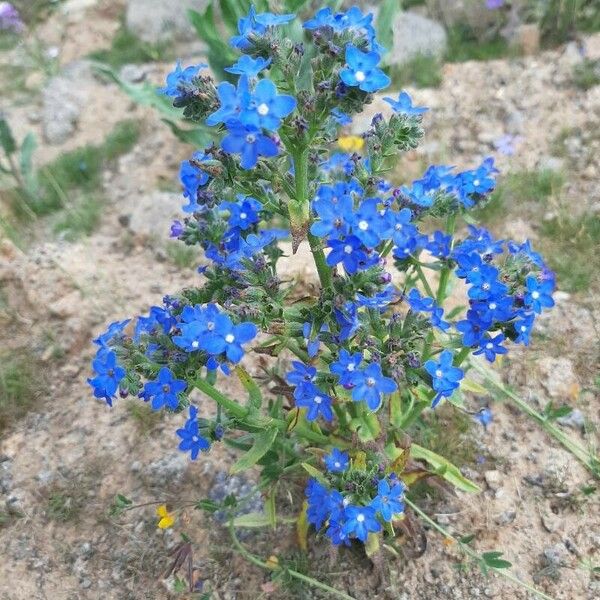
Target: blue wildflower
{"points": [[317, 497], [334, 208], [405, 106], [192, 179], [232, 100], [347, 319], [369, 225], [341, 118], [267, 108], [473, 328], [335, 533], [300, 376], [191, 440], [337, 461], [538, 295], [370, 383], [349, 252], [114, 329], [360, 520], [249, 142], [248, 66], [179, 80], [523, 329], [108, 375], [316, 401], [346, 367], [490, 347], [362, 70], [445, 377], [244, 213], [388, 501], [484, 416], [439, 245], [419, 303], [164, 390]]}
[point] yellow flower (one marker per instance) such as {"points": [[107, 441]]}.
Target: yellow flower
{"points": [[351, 143], [166, 518]]}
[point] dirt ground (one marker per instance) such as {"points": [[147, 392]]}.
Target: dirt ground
{"points": [[63, 463]]}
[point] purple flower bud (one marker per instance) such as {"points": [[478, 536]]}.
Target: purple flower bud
{"points": [[10, 18], [122, 391], [176, 229], [385, 277], [376, 119]]}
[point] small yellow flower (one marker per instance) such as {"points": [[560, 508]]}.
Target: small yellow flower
{"points": [[166, 518], [351, 143], [272, 562]]}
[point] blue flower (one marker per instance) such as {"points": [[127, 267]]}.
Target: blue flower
{"points": [[360, 520], [337, 461], [348, 321], [418, 194], [300, 376], [439, 245], [177, 229], [485, 283], [336, 533], [249, 142], [316, 401], [484, 416], [322, 18], [192, 179], [405, 106], [523, 329], [246, 65], [388, 501], [318, 503], [362, 70], [369, 225], [538, 295], [272, 20], [419, 303], [164, 390], [341, 118], [179, 80], [436, 319], [370, 384], [228, 338], [349, 252], [445, 377], [334, 208], [380, 300], [244, 213], [191, 440], [346, 367], [108, 375], [267, 107], [473, 328], [114, 329], [256, 25], [312, 341], [490, 347], [232, 100]]}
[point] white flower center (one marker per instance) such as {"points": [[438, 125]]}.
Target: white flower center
{"points": [[476, 182], [438, 373], [318, 399], [370, 381], [263, 109], [243, 216], [195, 344], [363, 225], [210, 325], [523, 328], [350, 367], [360, 76], [250, 138], [489, 345], [535, 295], [348, 249], [493, 306], [229, 338], [337, 464], [360, 518]]}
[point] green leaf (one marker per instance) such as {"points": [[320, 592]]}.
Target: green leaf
{"points": [[26, 162], [315, 473], [468, 385], [444, 468], [196, 137], [467, 539], [270, 509], [207, 505], [254, 394], [119, 505], [385, 23], [372, 545], [7, 141], [257, 519], [262, 443], [493, 560], [552, 413], [367, 426]]}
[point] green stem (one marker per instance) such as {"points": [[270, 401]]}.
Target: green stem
{"points": [[300, 215], [421, 275], [263, 565], [445, 273], [471, 553], [584, 456], [228, 404]]}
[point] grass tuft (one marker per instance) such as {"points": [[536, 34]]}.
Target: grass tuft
{"points": [[79, 219], [181, 255], [464, 45], [423, 71], [145, 419], [586, 74], [126, 48], [21, 385]]}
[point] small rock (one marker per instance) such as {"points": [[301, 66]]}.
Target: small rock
{"points": [[155, 20], [558, 377], [526, 38], [151, 214], [493, 479], [415, 35], [574, 419], [554, 556], [505, 518]]}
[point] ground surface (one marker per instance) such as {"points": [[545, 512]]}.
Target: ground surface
{"points": [[62, 464]]}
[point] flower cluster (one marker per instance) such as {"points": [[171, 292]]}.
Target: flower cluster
{"points": [[351, 500], [350, 364], [10, 19]]}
